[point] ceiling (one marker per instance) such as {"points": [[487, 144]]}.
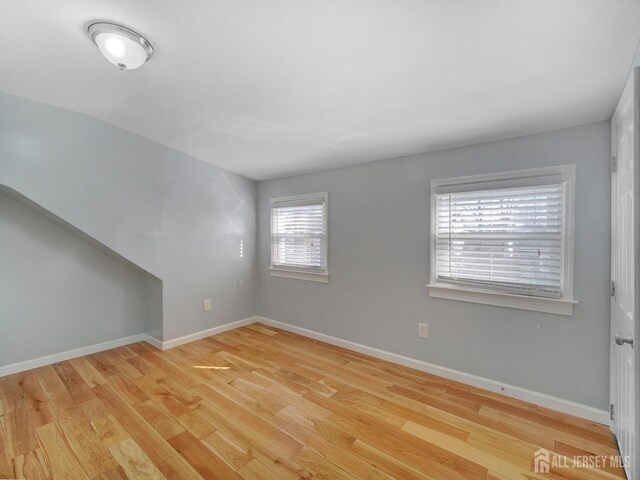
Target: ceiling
{"points": [[279, 87]]}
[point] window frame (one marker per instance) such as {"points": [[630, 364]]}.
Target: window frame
{"points": [[450, 291], [301, 273]]}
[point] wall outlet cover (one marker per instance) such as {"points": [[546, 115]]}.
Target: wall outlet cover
{"points": [[206, 304], [423, 330]]}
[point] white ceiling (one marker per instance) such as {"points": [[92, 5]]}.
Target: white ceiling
{"points": [[278, 87]]}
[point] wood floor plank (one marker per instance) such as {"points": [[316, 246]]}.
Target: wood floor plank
{"points": [[155, 416], [94, 409], [32, 465], [134, 461], [121, 365], [182, 414], [60, 400], [19, 435], [257, 408], [254, 470], [141, 348], [262, 450], [260, 395], [34, 398], [388, 463], [319, 466], [380, 475], [207, 463], [530, 412], [161, 362], [178, 468], [129, 390], [527, 429], [570, 451], [86, 444], [101, 362], [8, 392], [250, 421], [332, 453], [61, 460], [117, 473], [145, 368], [142, 433], [460, 447], [109, 430], [126, 351], [181, 393], [230, 452], [77, 387], [318, 424], [405, 413], [88, 372], [423, 455], [6, 469], [262, 403]]}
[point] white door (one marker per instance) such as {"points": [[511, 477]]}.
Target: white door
{"points": [[625, 274]]}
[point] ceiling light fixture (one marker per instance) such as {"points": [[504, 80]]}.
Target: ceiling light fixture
{"points": [[122, 46]]}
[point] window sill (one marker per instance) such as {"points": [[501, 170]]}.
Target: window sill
{"points": [[523, 302], [309, 276]]}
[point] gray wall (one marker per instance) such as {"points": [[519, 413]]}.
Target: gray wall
{"points": [[184, 221], [57, 292], [379, 266], [176, 217]]}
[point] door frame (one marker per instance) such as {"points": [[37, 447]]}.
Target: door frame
{"points": [[632, 87]]}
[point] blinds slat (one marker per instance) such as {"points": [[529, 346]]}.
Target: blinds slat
{"points": [[507, 239], [298, 234]]}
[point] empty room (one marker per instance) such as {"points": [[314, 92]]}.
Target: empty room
{"points": [[293, 239]]}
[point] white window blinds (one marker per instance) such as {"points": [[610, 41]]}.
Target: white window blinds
{"points": [[299, 233], [503, 239]]}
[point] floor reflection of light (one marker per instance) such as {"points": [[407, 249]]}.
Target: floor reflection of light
{"points": [[208, 367]]}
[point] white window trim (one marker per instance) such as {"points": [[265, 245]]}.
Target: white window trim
{"points": [[561, 306], [301, 273], [310, 276]]}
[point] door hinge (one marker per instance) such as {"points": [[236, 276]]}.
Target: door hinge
{"points": [[614, 163], [613, 288], [611, 412]]}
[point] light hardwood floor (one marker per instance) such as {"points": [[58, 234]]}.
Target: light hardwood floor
{"points": [[262, 403]]}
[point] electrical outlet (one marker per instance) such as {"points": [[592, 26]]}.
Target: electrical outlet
{"points": [[423, 330], [206, 304]]}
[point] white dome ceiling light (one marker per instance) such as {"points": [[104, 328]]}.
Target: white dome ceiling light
{"points": [[123, 47]]}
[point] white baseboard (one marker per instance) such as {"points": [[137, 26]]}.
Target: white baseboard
{"points": [[119, 342], [153, 341], [77, 352], [192, 337], [549, 401]]}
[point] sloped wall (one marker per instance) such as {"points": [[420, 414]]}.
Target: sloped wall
{"points": [[187, 222], [58, 292]]}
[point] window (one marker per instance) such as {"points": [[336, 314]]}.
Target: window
{"points": [[505, 239], [299, 237]]}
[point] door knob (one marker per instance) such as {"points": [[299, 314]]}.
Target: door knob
{"points": [[621, 339]]}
